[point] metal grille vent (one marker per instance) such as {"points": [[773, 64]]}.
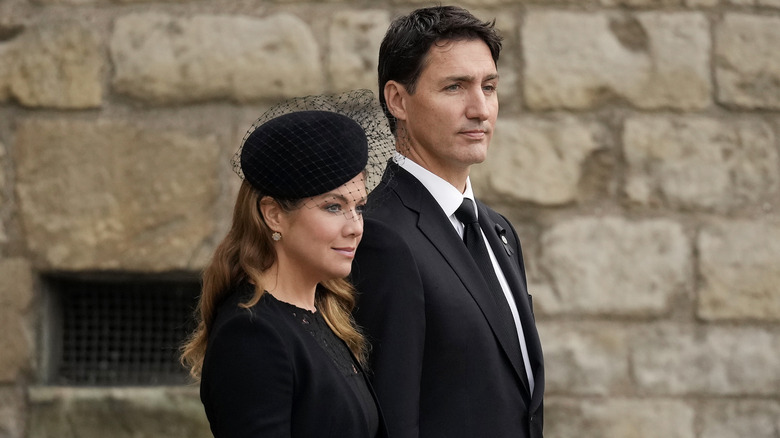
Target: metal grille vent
{"points": [[124, 332]]}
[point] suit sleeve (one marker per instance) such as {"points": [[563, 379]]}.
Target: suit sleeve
{"points": [[250, 390], [391, 311]]}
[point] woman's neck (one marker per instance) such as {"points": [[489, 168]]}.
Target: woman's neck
{"points": [[290, 287]]}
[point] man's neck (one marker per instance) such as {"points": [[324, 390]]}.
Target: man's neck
{"points": [[456, 177]]}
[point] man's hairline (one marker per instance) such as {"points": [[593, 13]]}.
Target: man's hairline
{"points": [[411, 88]]}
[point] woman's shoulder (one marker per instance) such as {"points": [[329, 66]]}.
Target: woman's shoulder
{"points": [[234, 313]]}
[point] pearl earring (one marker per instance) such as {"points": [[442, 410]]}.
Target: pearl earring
{"points": [[277, 236]]}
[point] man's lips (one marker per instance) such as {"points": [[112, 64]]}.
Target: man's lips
{"points": [[474, 133]]}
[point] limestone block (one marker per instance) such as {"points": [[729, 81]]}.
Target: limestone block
{"points": [[612, 266], [537, 160], [693, 162], [16, 336], [747, 62], [650, 59], [642, 3], [618, 418], [469, 4], [739, 264], [769, 3], [57, 65], [660, 3], [109, 195], [741, 418], [6, 59], [709, 360], [3, 185], [588, 359], [12, 412], [166, 59], [70, 2], [354, 38], [3, 163], [171, 412]]}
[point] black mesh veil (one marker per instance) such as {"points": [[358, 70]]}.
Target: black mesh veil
{"points": [[361, 106]]}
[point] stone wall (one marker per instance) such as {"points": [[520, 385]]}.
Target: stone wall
{"points": [[636, 152]]}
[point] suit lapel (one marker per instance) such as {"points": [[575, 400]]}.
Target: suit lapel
{"points": [[507, 259], [437, 228]]}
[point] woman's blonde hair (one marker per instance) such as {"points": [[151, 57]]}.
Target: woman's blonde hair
{"points": [[245, 253]]}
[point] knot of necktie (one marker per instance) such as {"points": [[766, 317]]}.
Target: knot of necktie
{"points": [[465, 213]]}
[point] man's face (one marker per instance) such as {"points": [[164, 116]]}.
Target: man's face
{"points": [[448, 122]]}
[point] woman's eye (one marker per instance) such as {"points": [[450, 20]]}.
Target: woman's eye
{"points": [[360, 209], [333, 208]]}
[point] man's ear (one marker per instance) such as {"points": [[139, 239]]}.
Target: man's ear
{"points": [[272, 213], [395, 99]]}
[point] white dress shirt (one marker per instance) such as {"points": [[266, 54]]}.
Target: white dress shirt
{"points": [[449, 199]]}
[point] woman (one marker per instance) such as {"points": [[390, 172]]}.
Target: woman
{"points": [[276, 349]]}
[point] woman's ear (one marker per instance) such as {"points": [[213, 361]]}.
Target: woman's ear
{"points": [[395, 94], [272, 213]]}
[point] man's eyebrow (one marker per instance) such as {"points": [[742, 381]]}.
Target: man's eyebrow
{"points": [[469, 78]]}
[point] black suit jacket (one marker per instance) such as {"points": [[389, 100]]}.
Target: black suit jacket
{"points": [[439, 369], [264, 377]]}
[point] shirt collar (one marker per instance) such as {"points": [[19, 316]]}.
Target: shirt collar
{"points": [[447, 196]]}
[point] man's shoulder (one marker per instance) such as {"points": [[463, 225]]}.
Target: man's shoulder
{"points": [[492, 213]]}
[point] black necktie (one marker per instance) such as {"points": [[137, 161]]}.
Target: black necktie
{"points": [[472, 237]]}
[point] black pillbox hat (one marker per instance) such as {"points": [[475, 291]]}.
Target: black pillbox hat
{"points": [[303, 154]]}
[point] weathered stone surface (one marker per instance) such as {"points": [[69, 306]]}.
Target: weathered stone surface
{"points": [[12, 412], [769, 3], [585, 358], [747, 65], [57, 65], [3, 158], [618, 418], [642, 3], [739, 419], [650, 59], [126, 412], [687, 360], [739, 264], [354, 38], [165, 59], [693, 162], [468, 3], [3, 185], [114, 196], [16, 338], [659, 3], [537, 160], [5, 74], [612, 266]]}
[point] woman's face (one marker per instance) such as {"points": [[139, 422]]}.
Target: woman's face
{"points": [[319, 239]]}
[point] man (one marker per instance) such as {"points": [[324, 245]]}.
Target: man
{"points": [[455, 348]]}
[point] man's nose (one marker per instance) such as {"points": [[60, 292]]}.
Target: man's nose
{"points": [[477, 105]]}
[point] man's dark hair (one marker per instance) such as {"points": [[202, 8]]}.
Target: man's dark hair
{"points": [[404, 49]]}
